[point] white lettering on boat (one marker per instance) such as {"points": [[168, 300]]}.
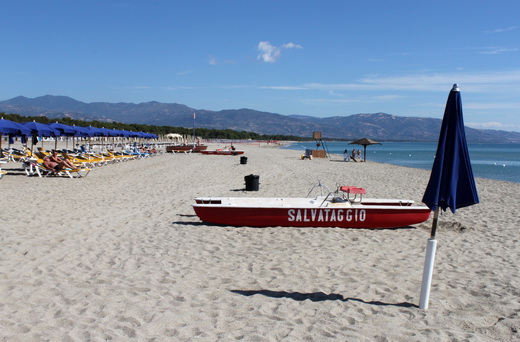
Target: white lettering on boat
{"points": [[326, 215], [291, 215]]}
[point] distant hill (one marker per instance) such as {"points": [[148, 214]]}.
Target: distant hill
{"points": [[378, 126]]}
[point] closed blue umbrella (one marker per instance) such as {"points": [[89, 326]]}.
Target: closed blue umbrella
{"points": [[451, 184]]}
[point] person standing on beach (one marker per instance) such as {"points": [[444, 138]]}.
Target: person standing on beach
{"points": [[359, 154], [346, 156]]}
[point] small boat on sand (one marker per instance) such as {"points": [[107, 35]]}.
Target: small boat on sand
{"points": [[337, 209], [185, 148], [223, 152]]}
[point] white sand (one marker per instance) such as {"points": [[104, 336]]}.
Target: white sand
{"points": [[121, 256]]}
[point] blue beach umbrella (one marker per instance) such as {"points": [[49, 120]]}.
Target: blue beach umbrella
{"points": [[134, 134], [106, 132], [40, 130], [12, 129], [97, 131], [83, 132], [115, 133], [451, 184], [65, 130]]}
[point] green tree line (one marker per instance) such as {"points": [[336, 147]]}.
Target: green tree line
{"points": [[206, 133]]}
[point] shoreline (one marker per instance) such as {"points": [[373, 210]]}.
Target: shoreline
{"points": [[475, 167], [121, 255]]}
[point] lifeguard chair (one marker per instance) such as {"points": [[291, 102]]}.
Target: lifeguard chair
{"points": [[321, 148]]}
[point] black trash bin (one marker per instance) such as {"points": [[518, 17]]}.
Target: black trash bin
{"points": [[243, 160], [252, 182]]}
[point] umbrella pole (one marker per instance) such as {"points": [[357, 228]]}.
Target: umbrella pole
{"points": [[435, 223], [428, 264]]}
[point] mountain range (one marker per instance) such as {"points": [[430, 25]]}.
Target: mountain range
{"points": [[378, 126]]}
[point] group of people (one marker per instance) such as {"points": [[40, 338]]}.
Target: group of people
{"points": [[141, 149], [54, 162], [352, 156], [149, 150]]}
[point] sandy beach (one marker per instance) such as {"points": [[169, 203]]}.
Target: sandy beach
{"points": [[120, 255]]}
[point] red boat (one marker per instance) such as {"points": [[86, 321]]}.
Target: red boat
{"points": [[185, 148], [223, 152], [334, 210]]}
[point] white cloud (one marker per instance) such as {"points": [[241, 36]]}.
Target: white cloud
{"points": [[270, 53], [183, 72], [284, 87], [494, 125], [213, 60], [291, 46], [497, 50], [475, 82], [500, 30], [492, 105], [138, 87]]}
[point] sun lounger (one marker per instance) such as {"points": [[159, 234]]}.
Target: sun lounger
{"points": [[16, 156], [42, 171], [2, 172]]}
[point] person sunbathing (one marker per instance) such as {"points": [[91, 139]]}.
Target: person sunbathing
{"points": [[64, 163], [50, 165]]}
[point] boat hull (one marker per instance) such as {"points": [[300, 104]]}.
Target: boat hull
{"points": [[223, 152], [372, 215], [185, 148]]}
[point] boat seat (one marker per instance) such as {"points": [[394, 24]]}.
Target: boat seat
{"points": [[354, 190]]}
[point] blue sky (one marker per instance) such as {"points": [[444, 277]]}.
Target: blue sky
{"points": [[319, 58]]}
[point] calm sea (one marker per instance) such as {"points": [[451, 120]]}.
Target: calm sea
{"points": [[493, 161]]}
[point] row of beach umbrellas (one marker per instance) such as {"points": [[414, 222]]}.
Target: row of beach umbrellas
{"points": [[36, 129]]}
